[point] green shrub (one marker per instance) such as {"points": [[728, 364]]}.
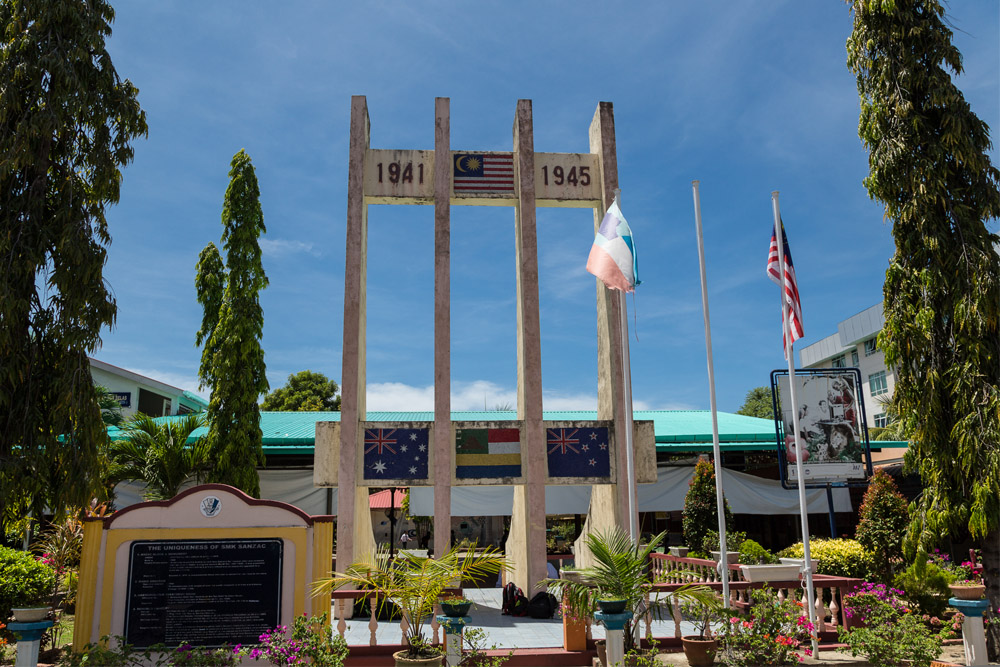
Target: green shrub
{"points": [[925, 585], [838, 557], [889, 634], [883, 521], [24, 581], [752, 553], [700, 508], [733, 541]]}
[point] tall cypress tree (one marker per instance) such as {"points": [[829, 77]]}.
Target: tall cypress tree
{"points": [[930, 168], [232, 360], [67, 121]]}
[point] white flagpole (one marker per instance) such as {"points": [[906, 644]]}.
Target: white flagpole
{"points": [[716, 450], [789, 353], [633, 516]]}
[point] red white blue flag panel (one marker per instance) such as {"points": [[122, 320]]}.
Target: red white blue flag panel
{"points": [[396, 453], [483, 173], [578, 452]]}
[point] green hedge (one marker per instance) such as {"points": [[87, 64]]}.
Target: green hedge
{"points": [[24, 581], [837, 557]]}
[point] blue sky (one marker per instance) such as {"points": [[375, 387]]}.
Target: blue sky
{"points": [[747, 97]]}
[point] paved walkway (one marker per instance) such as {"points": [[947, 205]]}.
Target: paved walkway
{"points": [[504, 631]]}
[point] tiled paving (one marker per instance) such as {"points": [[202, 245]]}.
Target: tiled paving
{"points": [[504, 631]]}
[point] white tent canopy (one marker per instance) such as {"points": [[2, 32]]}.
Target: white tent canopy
{"points": [[746, 494]]}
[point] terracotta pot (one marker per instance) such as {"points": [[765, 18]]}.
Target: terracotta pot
{"points": [[967, 592], [30, 614], [403, 661], [700, 652]]}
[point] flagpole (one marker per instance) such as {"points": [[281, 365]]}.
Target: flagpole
{"points": [[633, 516], [716, 449], [789, 354]]}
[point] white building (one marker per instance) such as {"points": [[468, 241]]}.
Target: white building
{"points": [[138, 393], [854, 346]]}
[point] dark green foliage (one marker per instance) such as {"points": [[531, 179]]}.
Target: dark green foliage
{"points": [[752, 553], [66, 123], [305, 392], [925, 585], [930, 166], [24, 581], [232, 360], [758, 404], [883, 520], [700, 507], [734, 540], [157, 452], [931, 169]]}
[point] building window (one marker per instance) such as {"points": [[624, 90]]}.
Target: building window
{"points": [[854, 358], [871, 346], [877, 383], [839, 362], [881, 421]]}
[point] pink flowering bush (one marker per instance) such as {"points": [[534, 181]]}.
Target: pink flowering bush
{"points": [[772, 633], [310, 642], [892, 633]]}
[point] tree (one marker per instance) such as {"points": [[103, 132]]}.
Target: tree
{"points": [[930, 168], [305, 392], [757, 404], [66, 125], [883, 519], [701, 513], [111, 409], [232, 362], [158, 454]]}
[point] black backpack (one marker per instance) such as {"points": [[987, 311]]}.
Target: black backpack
{"points": [[514, 601], [543, 605]]}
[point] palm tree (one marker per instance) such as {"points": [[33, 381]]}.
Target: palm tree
{"points": [[620, 572], [158, 454]]}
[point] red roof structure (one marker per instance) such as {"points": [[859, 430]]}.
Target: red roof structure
{"points": [[382, 500]]}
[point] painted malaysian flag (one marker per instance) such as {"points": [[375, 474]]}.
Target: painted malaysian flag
{"points": [[578, 452], [479, 173], [791, 286], [396, 453]]}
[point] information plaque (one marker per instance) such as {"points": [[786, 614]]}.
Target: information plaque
{"points": [[202, 592]]}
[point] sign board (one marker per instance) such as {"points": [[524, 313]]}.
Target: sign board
{"points": [[480, 178], [187, 591], [124, 398], [831, 425]]}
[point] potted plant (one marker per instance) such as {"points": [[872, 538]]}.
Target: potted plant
{"points": [[679, 551], [455, 606], [700, 649], [414, 584], [619, 574], [968, 589]]}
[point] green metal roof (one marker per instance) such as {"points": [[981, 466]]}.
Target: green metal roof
{"points": [[676, 430]]}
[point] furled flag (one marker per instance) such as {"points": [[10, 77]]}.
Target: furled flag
{"points": [[578, 452], [612, 257], [396, 453], [791, 287]]}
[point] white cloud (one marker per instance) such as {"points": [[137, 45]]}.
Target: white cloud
{"points": [[283, 247]]}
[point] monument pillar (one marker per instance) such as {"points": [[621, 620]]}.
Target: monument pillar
{"points": [[608, 503], [526, 549], [443, 443], [354, 527]]}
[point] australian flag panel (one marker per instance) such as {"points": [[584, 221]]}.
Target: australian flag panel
{"points": [[583, 451], [396, 453]]}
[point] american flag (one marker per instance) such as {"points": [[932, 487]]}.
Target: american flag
{"points": [[396, 453], [791, 287], [476, 173], [578, 452]]}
